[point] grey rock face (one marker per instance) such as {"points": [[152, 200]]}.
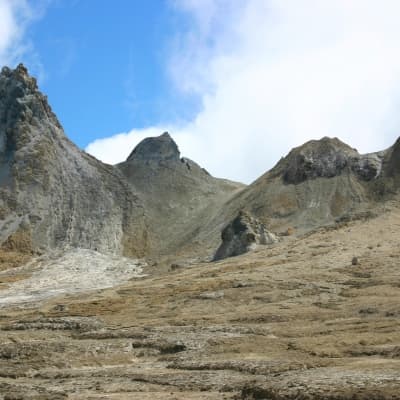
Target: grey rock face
{"points": [[327, 158], [160, 148], [243, 234], [368, 166], [393, 160], [55, 193]]}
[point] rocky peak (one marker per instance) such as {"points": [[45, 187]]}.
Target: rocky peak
{"points": [[23, 108], [17, 86], [160, 148], [317, 158], [327, 158], [20, 77]]}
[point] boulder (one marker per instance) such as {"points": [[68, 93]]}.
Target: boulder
{"points": [[243, 234]]}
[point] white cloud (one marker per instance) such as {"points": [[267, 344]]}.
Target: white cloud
{"points": [[15, 18], [273, 74], [117, 148]]}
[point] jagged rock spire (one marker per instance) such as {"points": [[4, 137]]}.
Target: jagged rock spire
{"points": [[21, 101]]}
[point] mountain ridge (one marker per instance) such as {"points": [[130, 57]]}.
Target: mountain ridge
{"points": [[157, 203]]}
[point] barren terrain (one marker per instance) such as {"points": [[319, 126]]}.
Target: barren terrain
{"points": [[312, 317]]}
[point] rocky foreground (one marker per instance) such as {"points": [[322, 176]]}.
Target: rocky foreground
{"points": [[310, 317]]}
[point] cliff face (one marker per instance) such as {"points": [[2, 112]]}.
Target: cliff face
{"points": [[53, 194]]}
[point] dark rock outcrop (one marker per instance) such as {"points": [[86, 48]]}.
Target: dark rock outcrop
{"points": [[243, 234], [324, 158], [327, 158], [392, 167]]}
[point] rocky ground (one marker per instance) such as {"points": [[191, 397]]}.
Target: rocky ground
{"points": [[311, 317], [72, 271]]}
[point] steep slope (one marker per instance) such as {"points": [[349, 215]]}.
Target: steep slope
{"points": [[317, 184], [391, 165], [51, 193], [180, 196]]}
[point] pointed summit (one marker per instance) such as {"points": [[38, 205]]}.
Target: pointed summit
{"points": [[26, 119], [21, 102], [160, 148], [21, 75]]}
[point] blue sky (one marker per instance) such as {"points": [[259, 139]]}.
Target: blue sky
{"points": [[237, 83], [103, 65]]}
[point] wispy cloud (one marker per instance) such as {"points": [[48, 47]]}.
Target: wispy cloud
{"points": [[272, 74], [16, 16]]}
